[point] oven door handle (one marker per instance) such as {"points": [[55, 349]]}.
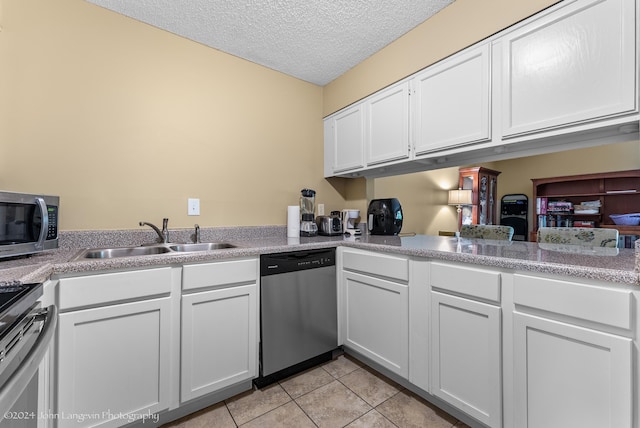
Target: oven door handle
{"points": [[20, 378]]}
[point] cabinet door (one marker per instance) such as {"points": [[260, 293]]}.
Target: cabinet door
{"points": [[574, 65], [376, 321], [465, 355], [219, 339], [347, 138], [452, 101], [567, 375], [113, 363], [387, 121]]}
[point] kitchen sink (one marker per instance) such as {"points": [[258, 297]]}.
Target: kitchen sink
{"points": [[110, 253], [149, 250], [201, 246]]}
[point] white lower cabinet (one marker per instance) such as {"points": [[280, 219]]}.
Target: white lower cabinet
{"points": [[130, 342], [465, 356], [375, 318], [466, 341], [113, 361], [573, 363], [219, 326], [567, 375]]}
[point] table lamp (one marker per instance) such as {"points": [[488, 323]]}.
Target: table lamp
{"points": [[460, 197]]}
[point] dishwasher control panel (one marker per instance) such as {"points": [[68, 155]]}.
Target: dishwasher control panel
{"points": [[271, 264]]}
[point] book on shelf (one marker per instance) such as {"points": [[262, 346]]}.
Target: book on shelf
{"points": [[559, 207], [542, 220], [627, 241], [583, 223], [555, 220], [541, 205]]}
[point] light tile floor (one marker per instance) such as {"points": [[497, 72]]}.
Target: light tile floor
{"points": [[339, 393]]}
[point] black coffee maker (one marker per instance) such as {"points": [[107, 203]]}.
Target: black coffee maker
{"points": [[384, 217]]}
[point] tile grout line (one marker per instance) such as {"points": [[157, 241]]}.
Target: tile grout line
{"points": [[296, 403], [339, 379], [370, 405]]}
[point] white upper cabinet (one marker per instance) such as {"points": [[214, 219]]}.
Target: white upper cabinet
{"points": [[387, 122], [568, 75], [344, 138], [370, 132], [452, 101], [572, 66]]}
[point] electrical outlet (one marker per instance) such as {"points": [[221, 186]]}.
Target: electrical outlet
{"points": [[193, 206], [320, 209]]}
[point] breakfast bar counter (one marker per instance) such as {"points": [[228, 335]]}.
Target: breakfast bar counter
{"points": [[613, 265]]}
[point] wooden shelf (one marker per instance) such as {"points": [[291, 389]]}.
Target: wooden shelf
{"points": [[589, 195], [623, 230], [618, 193]]}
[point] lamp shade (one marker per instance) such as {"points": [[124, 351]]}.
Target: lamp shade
{"points": [[460, 197]]}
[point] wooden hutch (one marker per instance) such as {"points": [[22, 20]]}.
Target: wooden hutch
{"points": [[484, 184]]}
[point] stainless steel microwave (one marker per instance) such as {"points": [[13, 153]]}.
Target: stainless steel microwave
{"points": [[28, 223]]}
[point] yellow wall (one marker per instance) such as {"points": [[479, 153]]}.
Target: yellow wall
{"points": [[125, 122]]}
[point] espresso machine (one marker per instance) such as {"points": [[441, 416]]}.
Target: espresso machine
{"points": [[308, 226]]}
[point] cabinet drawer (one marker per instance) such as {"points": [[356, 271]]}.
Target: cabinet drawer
{"points": [[225, 272], [598, 304], [108, 288], [480, 283], [385, 265]]}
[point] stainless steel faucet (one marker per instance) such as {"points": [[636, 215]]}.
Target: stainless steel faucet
{"points": [[162, 234], [196, 237]]}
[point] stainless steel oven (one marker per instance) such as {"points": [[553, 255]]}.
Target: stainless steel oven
{"points": [[28, 223], [25, 333]]}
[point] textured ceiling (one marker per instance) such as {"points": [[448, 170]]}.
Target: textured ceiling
{"points": [[315, 41]]}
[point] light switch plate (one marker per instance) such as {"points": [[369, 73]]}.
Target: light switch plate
{"points": [[193, 206], [320, 209]]}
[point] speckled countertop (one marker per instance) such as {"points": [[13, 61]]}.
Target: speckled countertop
{"points": [[606, 264]]}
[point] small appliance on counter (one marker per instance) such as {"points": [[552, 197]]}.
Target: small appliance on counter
{"points": [[329, 225], [384, 217], [28, 223], [349, 222], [308, 226]]}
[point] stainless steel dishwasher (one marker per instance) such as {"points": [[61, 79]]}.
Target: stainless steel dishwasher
{"points": [[298, 312]]}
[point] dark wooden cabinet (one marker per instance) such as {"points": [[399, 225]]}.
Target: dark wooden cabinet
{"points": [[617, 192], [484, 184]]}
